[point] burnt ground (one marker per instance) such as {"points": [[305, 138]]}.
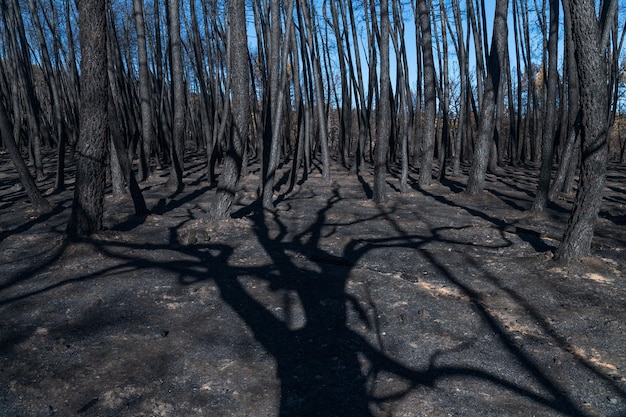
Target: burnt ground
{"points": [[431, 305]]}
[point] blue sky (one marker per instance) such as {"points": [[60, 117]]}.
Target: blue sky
{"points": [[490, 11], [536, 43]]}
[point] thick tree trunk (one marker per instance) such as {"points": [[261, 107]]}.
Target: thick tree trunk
{"points": [[177, 145], [430, 96], [145, 96], [592, 73], [91, 151], [240, 91], [476, 180]]}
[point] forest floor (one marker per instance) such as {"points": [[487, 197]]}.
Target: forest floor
{"points": [[433, 304]]}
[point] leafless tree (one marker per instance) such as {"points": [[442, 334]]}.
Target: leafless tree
{"points": [[91, 150]]}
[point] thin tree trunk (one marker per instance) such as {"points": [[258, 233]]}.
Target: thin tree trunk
{"points": [[359, 86], [39, 202], [404, 91], [74, 83], [206, 102], [119, 157], [549, 127], [19, 48], [574, 114], [479, 49], [274, 97], [145, 96], [55, 101], [383, 111], [445, 101], [462, 117], [345, 119], [319, 89]]}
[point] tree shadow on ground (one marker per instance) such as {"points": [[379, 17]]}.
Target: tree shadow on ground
{"points": [[325, 367], [318, 363], [59, 208], [561, 401]]}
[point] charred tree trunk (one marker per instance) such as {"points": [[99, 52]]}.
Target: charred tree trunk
{"points": [[320, 101], [91, 151], [549, 123], [574, 115], [55, 101], [476, 180], [177, 145], [272, 97], [240, 91], [145, 96], [383, 122], [462, 116], [40, 204], [590, 47], [430, 96]]}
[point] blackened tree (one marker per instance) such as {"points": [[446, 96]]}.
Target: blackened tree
{"points": [[238, 71], [91, 150], [590, 41], [476, 180], [430, 95], [549, 121], [175, 181], [383, 128], [40, 204], [144, 90]]}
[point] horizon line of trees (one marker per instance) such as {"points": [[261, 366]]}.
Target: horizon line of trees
{"points": [[128, 86]]}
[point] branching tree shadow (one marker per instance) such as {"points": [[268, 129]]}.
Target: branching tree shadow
{"points": [[324, 366], [317, 364]]}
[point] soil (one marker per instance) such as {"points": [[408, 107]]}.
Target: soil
{"points": [[433, 304]]}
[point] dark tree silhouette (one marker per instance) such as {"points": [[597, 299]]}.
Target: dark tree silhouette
{"points": [[177, 147], [476, 180], [144, 91], [589, 42], [549, 121], [91, 151], [430, 95], [39, 202], [240, 91], [383, 129]]}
